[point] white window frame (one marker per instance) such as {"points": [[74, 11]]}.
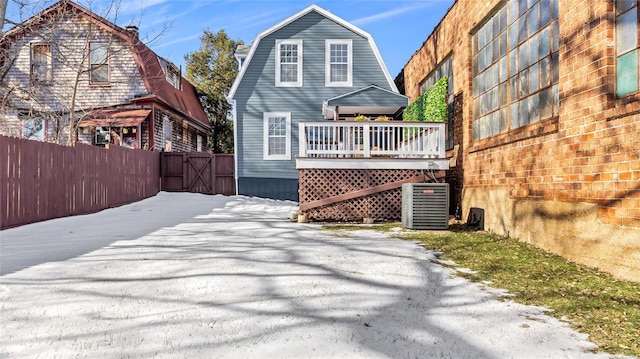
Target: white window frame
{"points": [[327, 70], [265, 136], [93, 47], [279, 43]]}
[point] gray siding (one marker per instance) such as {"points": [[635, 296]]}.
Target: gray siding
{"points": [[371, 97], [275, 188], [257, 93]]}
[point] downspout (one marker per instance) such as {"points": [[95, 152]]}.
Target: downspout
{"points": [[325, 105], [234, 115]]}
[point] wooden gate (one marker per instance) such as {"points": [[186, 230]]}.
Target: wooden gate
{"points": [[198, 172]]}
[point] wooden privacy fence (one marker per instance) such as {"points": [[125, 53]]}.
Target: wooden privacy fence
{"points": [[199, 172], [45, 180]]}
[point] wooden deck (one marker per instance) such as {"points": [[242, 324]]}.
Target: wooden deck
{"points": [[372, 145], [350, 171]]}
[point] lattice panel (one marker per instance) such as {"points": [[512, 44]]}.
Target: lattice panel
{"points": [[317, 184]]}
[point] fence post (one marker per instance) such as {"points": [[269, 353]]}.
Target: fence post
{"points": [[214, 171]]}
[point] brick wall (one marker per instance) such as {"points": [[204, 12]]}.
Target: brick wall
{"points": [[586, 159]]}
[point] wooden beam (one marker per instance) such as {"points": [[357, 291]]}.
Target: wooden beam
{"points": [[365, 192]]}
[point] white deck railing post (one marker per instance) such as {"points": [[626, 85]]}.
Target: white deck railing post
{"points": [[302, 140], [366, 132], [344, 139]]}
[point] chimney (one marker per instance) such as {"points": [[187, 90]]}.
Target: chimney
{"points": [[133, 30]]}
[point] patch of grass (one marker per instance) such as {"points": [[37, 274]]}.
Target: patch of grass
{"points": [[595, 303], [381, 227]]}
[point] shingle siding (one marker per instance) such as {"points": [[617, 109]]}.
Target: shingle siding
{"points": [[70, 56]]}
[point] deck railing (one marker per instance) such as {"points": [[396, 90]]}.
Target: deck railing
{"points": [[372, 139]]}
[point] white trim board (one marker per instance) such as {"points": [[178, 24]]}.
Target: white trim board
{"points": [[372, 163]]}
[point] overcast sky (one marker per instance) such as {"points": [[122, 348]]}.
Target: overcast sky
{"points": [[398, 27]]}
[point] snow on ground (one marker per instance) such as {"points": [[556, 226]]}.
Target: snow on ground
{"points": [[236, 279]]}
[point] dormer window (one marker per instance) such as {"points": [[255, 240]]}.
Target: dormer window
{"points": [[172, 78], [288, 63], [241, 54], [171, 72]]}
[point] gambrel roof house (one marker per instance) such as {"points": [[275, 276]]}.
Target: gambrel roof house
{"points": [[312, 66], [68, 62]]}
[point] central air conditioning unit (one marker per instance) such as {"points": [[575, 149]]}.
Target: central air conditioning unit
{"points": [[425, 206]]}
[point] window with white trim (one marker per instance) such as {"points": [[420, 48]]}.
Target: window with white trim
{"points": [[289, 63], [99, 63], [277, 136], [338, 63], [627, 47]]}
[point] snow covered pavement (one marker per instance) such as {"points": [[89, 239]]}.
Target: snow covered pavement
{"points": [[241, 281]]}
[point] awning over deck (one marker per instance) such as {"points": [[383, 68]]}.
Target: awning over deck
{"points": [[369, 100], [114, 118]]}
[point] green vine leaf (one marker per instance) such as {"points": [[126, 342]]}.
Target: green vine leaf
{"points": [[431, 106]]}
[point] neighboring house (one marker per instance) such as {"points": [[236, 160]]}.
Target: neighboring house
{"points": [[70, 72], [546, 121], [313, 66]]}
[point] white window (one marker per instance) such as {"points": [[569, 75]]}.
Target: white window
{"points": [[289, 63], [199, 143], [167, 131], [99, 63], [338, 63], [277, 136]]}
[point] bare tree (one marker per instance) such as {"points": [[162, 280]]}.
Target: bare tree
{"points": [[3, 11]]}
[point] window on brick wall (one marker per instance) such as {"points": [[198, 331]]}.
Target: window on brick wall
{"points": [[515, 67], [444, 69], [626, 47]]}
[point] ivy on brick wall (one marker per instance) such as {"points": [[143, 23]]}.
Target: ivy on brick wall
{"points": [[431, 106]]}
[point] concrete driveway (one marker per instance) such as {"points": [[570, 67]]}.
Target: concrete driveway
{"points": [[238, 280]]}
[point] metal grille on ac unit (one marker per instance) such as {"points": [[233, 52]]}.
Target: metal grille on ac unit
{"points": [[425, 205]]}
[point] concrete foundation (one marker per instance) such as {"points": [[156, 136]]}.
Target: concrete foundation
{"points": [[571, 230]]}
